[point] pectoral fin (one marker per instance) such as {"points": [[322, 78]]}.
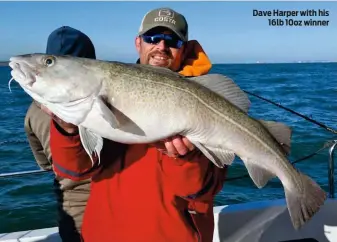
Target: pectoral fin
{"points": [[106, 117], [101, 110]]}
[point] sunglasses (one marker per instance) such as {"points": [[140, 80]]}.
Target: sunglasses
{"points": [[170, 40]]}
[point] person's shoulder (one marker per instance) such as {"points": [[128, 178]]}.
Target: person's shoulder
{"points": [[31, 109], [36, 117], [34, 110]]}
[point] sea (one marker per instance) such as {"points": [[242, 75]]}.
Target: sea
{"points": [[28, 202]]}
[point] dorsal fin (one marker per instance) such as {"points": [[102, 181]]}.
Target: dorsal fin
{"points": [[281, 132], [158, 69], [226, 88]]}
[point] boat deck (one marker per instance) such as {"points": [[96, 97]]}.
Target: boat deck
{"points": [[43, 235], [263, 221]]}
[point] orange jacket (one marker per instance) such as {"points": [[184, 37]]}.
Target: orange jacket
{"points": [[140, 194]]}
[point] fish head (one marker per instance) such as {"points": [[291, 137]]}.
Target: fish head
{"points": [[66, 85], [55, 79]]}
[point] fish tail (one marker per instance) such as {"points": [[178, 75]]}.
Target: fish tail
{"points": [[305, 201]]}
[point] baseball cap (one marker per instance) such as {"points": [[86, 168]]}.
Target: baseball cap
{"points": [[165, 17], [69, 41]]}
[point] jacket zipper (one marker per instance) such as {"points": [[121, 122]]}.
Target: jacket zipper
{"points": [[190, 219], [195, 228], [187, 213]]}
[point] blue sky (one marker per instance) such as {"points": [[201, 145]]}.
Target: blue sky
{"points": [[228, 31]]}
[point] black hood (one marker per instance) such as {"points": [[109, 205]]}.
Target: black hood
{"points": [[70, 41]]}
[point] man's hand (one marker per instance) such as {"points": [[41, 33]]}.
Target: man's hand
{"points": [[67, 127], [175, 146]]}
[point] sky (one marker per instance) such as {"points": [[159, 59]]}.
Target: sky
{"points": [[227, 31]]}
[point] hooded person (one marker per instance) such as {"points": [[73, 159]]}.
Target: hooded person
{"points": [[71, 195]]}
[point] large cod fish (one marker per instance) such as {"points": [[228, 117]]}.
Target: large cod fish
{"points": [[133, 103]]}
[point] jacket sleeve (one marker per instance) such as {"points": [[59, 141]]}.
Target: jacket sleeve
{"points": [[37, 132], [70, 159], [193, 176]]}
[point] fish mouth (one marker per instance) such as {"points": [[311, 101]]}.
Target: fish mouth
{"points": [[22, 73]]}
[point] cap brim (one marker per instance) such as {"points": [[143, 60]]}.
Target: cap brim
{"points": [[152, 26]]}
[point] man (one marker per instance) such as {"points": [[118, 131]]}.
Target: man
{"points": [[71, 196], [156, 192]]}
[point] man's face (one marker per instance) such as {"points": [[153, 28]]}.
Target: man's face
{"points": [[156, 51]]}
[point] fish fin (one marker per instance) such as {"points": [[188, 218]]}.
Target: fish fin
{"points": [[126, 124], [104, 112], [305, 201], [218, 156], [91, 142], [157, 69], [281, 132], [259, 175], [103, 117], [226, 88]]}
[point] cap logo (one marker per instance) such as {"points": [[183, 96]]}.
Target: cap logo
{"points": [[165, 15]]}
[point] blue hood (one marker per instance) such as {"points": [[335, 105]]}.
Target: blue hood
{"points": [[69, 41]]}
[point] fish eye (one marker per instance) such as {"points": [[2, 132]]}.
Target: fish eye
{"points": [[49, 61]]}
